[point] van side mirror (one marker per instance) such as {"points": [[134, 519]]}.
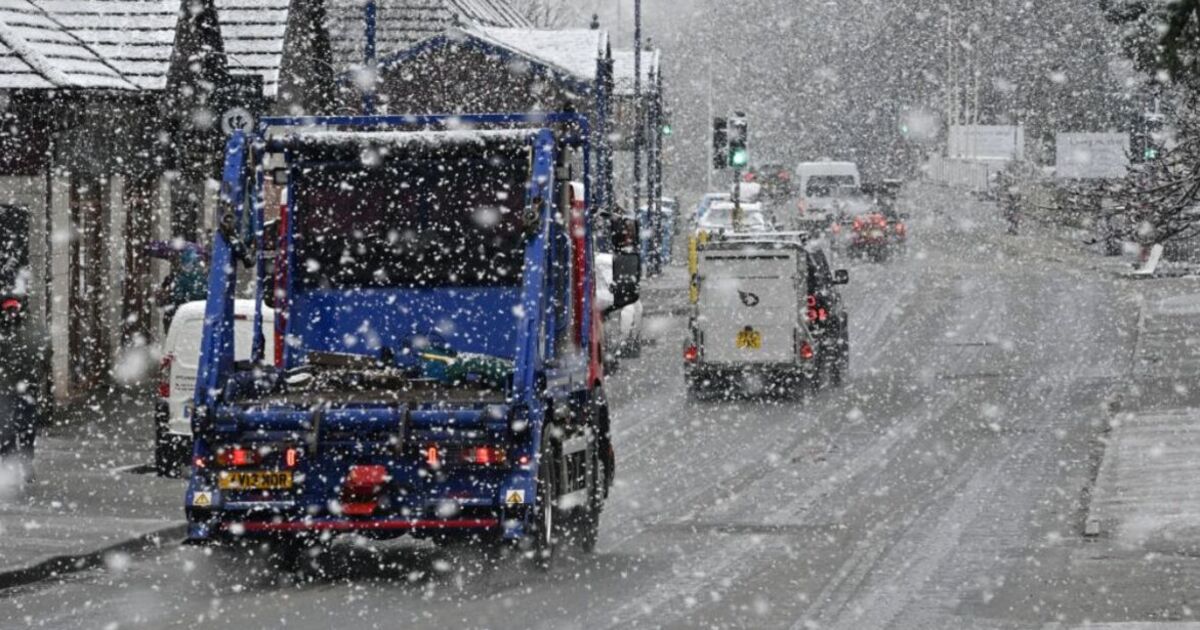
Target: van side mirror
{"points": [[841, 276], [627, 279]]}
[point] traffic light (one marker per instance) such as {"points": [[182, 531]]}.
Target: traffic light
{"points": [[739, 154], [720, 138], [666, 129]]}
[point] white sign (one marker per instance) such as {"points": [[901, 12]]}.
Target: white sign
{"points": [[237, 119], [986, 142], [1092, 155]]}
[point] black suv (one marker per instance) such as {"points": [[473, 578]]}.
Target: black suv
{"points": [[24, 344], [827, 318]]}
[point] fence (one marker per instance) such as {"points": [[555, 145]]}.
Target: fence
{"points": [[971, 174]]}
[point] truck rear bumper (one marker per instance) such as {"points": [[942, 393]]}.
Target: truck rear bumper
{"points": [[358, 525]]}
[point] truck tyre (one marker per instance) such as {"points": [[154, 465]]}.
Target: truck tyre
{"points": [[544, 529], [588, 519]]}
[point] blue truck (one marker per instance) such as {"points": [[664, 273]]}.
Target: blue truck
{"points": [[438, 369]]}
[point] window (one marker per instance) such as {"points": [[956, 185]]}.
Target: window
{"points": [[449, 217], [14, 246], [830, 185]]}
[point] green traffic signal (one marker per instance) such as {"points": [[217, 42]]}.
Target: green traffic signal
{"points": [[739, 157], [666, 130], [1150, 153]]}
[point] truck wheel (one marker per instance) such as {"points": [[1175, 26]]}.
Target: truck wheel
{"points": [[545, 524], [588, 521], [841, 369]]}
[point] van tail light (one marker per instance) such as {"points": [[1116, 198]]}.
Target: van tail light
{"points": [[164, 376], [691, 354], [806, 351], [813, 313], [11, 305]]}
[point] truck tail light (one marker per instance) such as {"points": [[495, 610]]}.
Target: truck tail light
{"points": [[484, 455], [164, 376], [238, 457]]}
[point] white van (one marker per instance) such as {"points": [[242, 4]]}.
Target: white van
{"points": [[822, 184], [177, 376], [748, 327]]}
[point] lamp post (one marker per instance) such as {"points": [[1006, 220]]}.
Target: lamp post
{"points": [[639, 135]]}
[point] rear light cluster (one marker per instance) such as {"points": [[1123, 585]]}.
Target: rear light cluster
{"points": [[691, 354], [164, 376], [11, 305], [806, 351], [816, 313], [243, 457], [438, 455]]}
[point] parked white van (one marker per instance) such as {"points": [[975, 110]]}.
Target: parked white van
{"points": [[177, 378]]}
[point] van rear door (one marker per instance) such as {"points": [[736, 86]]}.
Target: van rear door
{"points": [[749, 305]]}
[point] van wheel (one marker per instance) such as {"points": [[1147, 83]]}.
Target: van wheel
{"points": [[165, 457]]}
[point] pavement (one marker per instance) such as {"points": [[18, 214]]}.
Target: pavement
{"points": [[1005, 393], [92, 497]]}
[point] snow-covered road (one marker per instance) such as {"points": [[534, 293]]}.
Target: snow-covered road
{"points": [[943, 487]]}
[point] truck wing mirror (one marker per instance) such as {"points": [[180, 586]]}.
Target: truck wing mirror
{"points": [[532, 218], [627, 279], [841, 276]]}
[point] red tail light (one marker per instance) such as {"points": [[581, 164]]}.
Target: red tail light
{"points": [[858, 223], [880, 220], [238, 457], [432, 457], [11, 305], [691, 354], [806, 351], [164, 376], [813, 314], [486, 455], [901, 229]]}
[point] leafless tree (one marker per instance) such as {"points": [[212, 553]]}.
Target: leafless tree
{"points": [[545, 13]]}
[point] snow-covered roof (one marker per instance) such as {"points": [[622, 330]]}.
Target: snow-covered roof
{"points": [[572, 51], [402, 23], [49, 50], [134, 37], [623, 62], [127, 44], [253, 33]]}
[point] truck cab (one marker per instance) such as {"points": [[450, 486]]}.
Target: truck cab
{"points": [[439, 371]]}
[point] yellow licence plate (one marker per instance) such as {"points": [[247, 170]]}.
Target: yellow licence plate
{"points": [[254, 480], [751, 339]]}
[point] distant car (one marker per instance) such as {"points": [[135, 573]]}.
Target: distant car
{"points": [[623, 328], [707, 202], [177, 376], [719, 218], [25, 384]]}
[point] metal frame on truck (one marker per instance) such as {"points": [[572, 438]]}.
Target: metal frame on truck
{"points": [[504, 438]]}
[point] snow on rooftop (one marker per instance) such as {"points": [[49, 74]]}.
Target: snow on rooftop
{"points": [[402, 23], [572, 51], [410, 139], [623, 62], [52, 52]]}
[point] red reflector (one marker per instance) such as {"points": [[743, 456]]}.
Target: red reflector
{"points": [[523, 460], [691, 354], [806, 351]]}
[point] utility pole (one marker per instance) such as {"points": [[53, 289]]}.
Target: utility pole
{"points": [[639, 133]]}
